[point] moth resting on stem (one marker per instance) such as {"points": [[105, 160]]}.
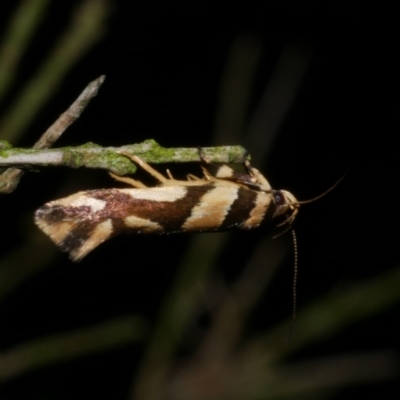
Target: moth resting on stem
{"points": [[227, 200]]}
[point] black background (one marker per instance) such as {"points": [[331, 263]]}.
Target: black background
{"points": [[164, 64]]}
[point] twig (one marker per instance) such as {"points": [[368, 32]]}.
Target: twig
{"points": [[91, 155], [70, 116], [11, 177]]}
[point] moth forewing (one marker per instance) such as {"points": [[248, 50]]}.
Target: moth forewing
{"points": [[226, 200]]}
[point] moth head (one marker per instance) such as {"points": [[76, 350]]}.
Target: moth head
{"points": [[285, 204]]}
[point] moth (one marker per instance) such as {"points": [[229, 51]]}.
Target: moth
{"points": [[79, 223]]}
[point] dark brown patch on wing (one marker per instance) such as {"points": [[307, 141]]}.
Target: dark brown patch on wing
{"points": [[77, 237], [53, 213], [170, 215], [240, 209]]}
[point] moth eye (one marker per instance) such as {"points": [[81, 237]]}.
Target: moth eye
{"points": [[279, 199]]}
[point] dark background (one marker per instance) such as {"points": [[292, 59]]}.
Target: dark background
{"points": [[317, 104]]}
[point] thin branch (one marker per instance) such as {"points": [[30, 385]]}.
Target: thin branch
{"points": [[70, 116], [91, 155], [11, 177]]}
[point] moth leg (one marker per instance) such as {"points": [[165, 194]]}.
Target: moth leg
{"points": [[129, 181], [203, 158], [253, 177], [207, 174], [246, 162], [191, 177], [255, 173], [222, 172], [169, 175], [147, 168], [261, 179]]}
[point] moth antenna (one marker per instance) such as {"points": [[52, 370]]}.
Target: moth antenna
{"points": [[295, 207], [324, 193], [295, 270]]}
